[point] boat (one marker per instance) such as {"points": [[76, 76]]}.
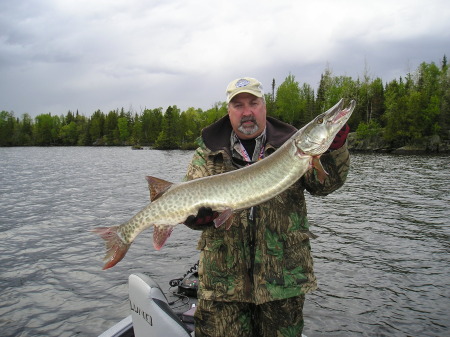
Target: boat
{"points": [[151, 312]]}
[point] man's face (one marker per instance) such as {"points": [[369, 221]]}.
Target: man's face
{"points": [[247, 115]]}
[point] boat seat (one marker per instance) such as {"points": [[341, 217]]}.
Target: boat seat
{"points": [[150, 311]]}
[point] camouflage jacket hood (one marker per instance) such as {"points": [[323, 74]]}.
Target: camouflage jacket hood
{"points": [[266, 254]]}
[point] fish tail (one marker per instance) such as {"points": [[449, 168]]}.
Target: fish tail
{"points": [[115, 247]]}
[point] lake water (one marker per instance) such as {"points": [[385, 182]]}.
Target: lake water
{"points": [[382, 255]]}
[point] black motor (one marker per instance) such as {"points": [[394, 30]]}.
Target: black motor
{"points": [[188, 284]]}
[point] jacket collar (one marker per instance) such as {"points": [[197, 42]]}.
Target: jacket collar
{"points": [[217, 136]]}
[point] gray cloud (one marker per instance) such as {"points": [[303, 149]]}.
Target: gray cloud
{"points": [[57, 56]]}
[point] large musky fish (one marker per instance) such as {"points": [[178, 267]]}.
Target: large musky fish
{"points": [[232, 191]]}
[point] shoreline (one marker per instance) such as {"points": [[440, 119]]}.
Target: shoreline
{"points": [[376, 144]]}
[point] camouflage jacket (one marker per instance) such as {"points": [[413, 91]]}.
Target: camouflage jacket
{"points": [[267, 256]]}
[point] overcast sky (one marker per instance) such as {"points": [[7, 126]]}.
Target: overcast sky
{"points": [[61, 55]]}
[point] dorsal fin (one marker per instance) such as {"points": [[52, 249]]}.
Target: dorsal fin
{"points": [[157, 187]]}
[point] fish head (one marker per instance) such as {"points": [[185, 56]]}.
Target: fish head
{"points": [[316, 137]]}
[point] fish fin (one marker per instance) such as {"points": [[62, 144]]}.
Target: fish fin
{"points": [[160, 235], [229, 222], [115, 247], [223, 217], [157, 187], [321, 173]]}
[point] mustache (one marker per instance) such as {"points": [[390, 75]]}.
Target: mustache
{"points": [[248, 119]]}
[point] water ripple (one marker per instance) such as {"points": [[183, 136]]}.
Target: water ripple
{"points": [[381, 258]]}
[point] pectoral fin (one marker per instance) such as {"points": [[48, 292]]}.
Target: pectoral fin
{"points": [[160, 235], [317, 165], [223, 217]]}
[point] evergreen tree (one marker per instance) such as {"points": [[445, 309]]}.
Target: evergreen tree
{"points": [[124, 132], [168, 137], [26, 131], [429, 99], [396, 117], [111, 128], [151, 125], [307, 110], [136, 133], [96, 127], [444, 93], [324, 85], [7, 126], [270, 101], [409, 109], [376, 100]]}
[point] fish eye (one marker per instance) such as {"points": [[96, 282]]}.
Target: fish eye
{"points": [[320, 121]]}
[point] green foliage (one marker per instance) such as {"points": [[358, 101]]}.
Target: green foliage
{"points": [[7, 126], [111, 129], [294, 104], [169, 137], [404, 111], [69, 134], [190, 124], [368, 130], [44, 131], [417, 107], [270, 100], [124, 131], [151, 125], [288, 102], [95, 127]]}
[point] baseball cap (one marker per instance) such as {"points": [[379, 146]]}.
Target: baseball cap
{"points": [[244, 84]]}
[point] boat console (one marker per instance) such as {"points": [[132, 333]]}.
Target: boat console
{"points": [[150, 310], [151, 314]]}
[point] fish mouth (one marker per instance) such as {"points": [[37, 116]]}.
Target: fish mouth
{"points": [[319, 133], [342, 115]]}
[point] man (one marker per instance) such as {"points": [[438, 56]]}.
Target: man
{"points": [[254, 276]]}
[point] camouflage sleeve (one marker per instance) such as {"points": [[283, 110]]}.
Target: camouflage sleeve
{"points": [[337, 164], [197, 168]]}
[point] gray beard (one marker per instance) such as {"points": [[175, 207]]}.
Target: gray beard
{"points": [[248, 131]]}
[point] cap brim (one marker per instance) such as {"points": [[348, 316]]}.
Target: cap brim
{"points": [[253, 92]]}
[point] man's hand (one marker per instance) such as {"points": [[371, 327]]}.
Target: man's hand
{"points": [[204, 218], [340, 138]]}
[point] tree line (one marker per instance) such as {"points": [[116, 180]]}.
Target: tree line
{"points": [[405, 110]]}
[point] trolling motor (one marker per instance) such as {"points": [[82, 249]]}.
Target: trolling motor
{"points": [[188, 284]]}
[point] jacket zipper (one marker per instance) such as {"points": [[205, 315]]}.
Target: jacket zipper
{"points": [[252, 243]]}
